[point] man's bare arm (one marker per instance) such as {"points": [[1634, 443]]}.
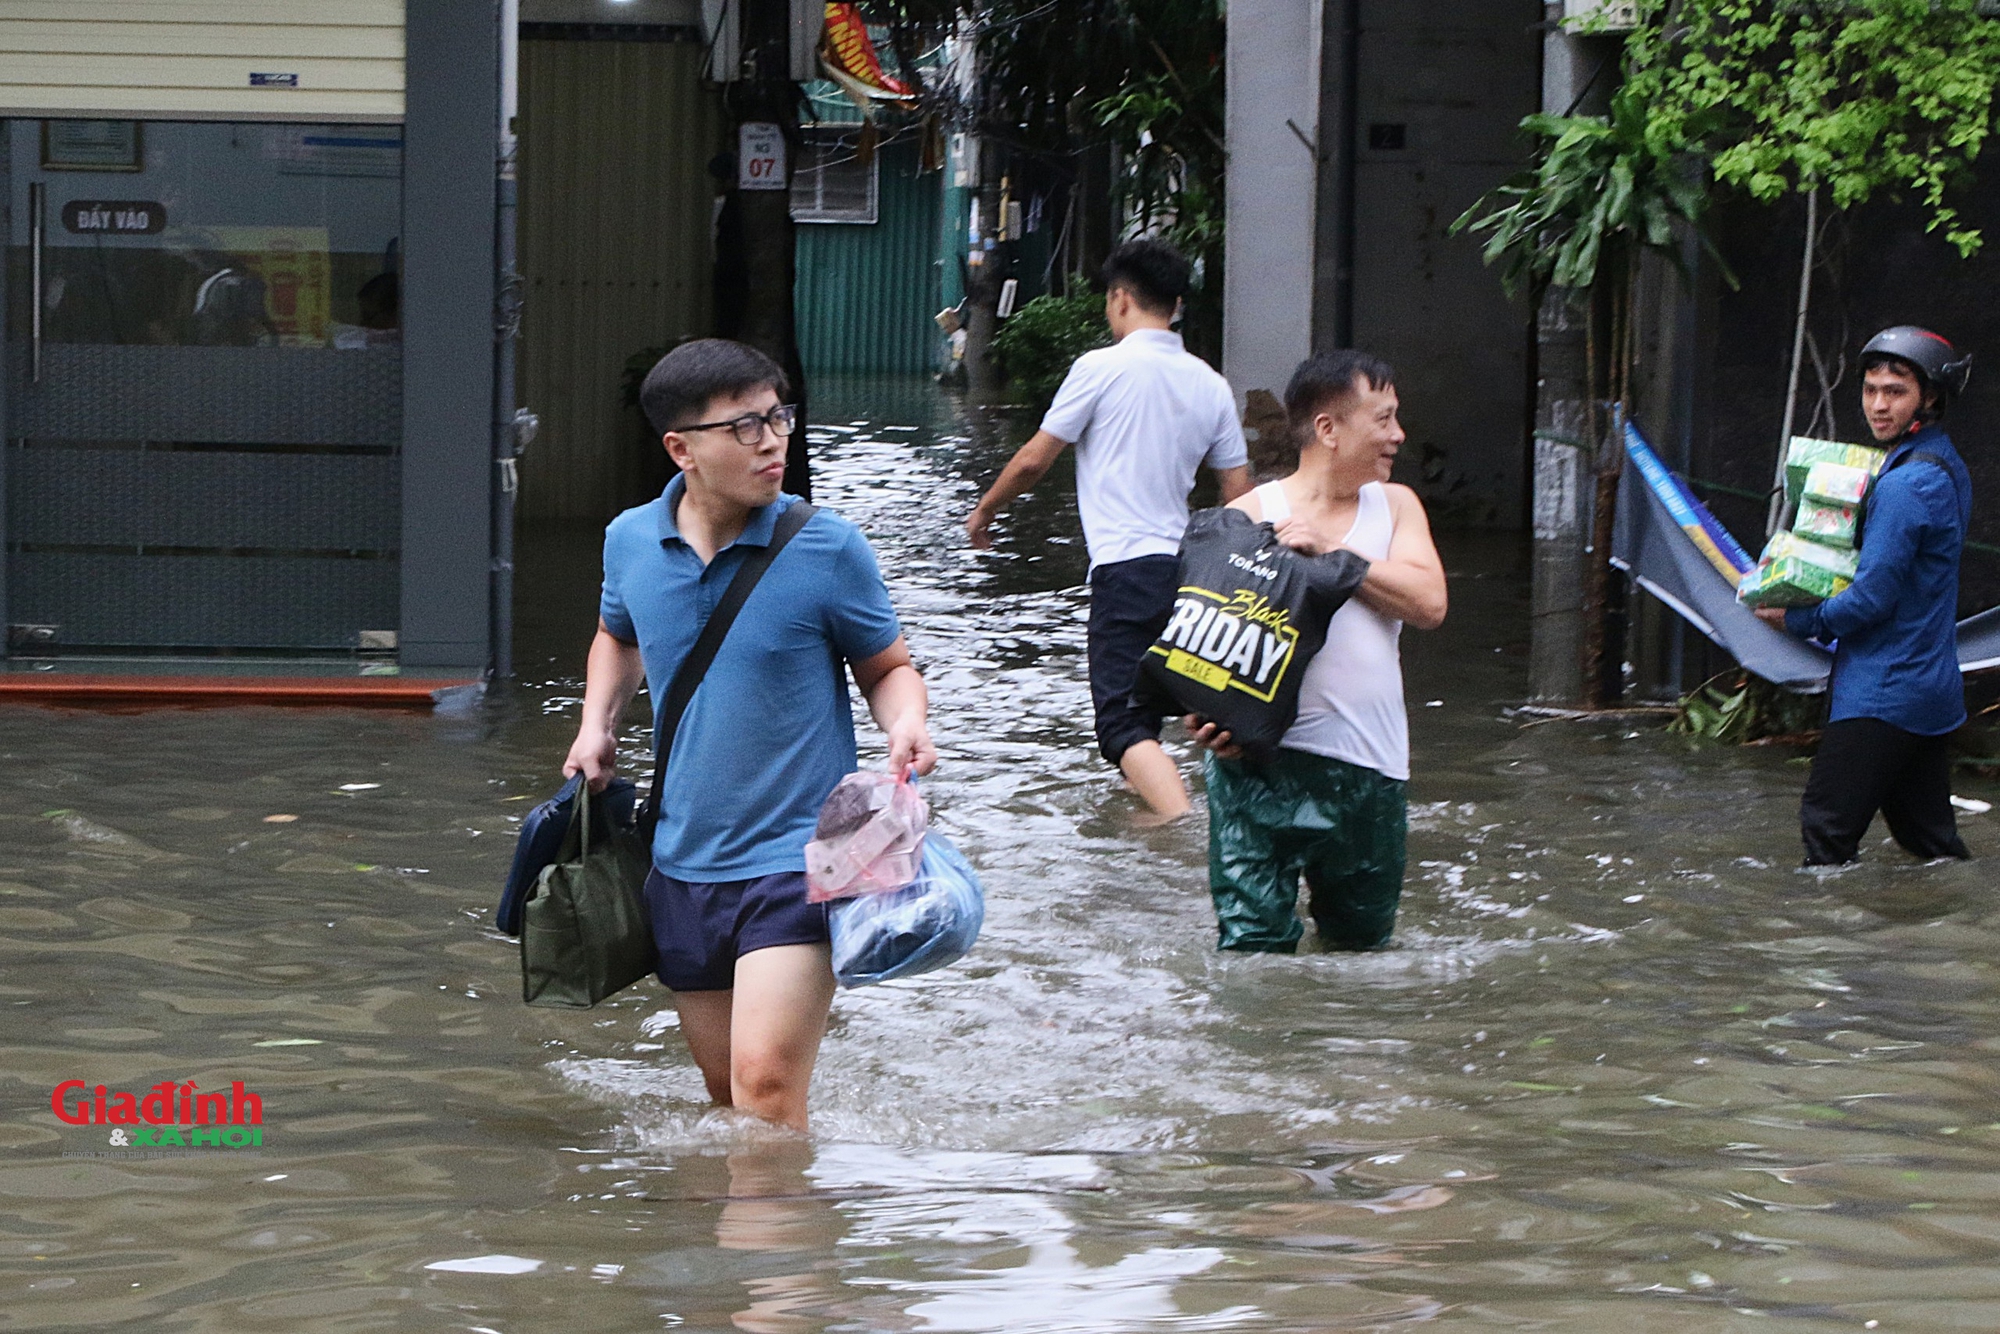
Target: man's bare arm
{"points": [[1031, 462], [900, 702], [1233, 483], [1409, 585], [611, 678]]}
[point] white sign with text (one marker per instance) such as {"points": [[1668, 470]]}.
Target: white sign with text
{"points": [[760, 156]]}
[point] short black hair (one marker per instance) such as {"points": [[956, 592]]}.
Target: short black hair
{"points": [[1325, 382], [1874, 360], [1156, 274], [683, 383]]}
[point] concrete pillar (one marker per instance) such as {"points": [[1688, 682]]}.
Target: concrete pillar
{"points": [[1272, 118], [1578, 74], [451, 140], [1564, 485]]}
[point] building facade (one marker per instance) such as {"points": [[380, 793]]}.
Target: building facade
{"points": [[1358, 131], [248, 383]]}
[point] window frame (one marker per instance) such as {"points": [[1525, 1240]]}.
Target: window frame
{"points": [[811, 163]]}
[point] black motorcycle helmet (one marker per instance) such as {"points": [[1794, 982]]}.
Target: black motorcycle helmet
{"points": [[1940, 365]]}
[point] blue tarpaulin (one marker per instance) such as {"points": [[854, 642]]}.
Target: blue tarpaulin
{"points": [[1654, 545]]}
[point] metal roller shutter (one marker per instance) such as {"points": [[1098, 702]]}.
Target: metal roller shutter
{"points": [[292, 60]]}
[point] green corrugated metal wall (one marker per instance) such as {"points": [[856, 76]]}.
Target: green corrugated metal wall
{"points": [[866, 292], [953, 215]]}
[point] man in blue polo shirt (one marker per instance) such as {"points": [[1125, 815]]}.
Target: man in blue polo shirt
{"points": [[768, 733], [1897, 692]]}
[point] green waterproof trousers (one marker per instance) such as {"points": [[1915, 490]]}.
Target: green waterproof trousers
{"points": [[1339, 824]]}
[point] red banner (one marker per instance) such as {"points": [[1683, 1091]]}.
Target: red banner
{"points": [[848, 50]]}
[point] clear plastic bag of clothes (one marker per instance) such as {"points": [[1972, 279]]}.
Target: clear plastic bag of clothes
{"points": [[869, 837], [927, 925]]}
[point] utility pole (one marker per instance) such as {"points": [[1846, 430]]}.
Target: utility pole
{"points": [[988, 257], [1092, 226], [986, 264], [774, 43], [1334, 216]]}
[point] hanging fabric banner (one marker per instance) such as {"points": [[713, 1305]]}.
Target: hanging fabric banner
{"points": [[849, 58]]}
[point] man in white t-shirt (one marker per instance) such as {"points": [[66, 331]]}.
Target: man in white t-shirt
{"points": [[1144, 414]]}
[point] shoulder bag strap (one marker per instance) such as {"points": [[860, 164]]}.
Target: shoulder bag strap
{"points": [[695, 666], [1914, 456]]}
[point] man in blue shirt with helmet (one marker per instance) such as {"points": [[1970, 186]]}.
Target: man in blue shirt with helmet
{"points": [[1897, 692]]}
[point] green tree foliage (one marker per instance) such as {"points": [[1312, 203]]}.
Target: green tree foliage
{"points": [[1041, 340], [1737, 707], [1858, 96], [1770, 96], [1598, 183], [1168, 127]]}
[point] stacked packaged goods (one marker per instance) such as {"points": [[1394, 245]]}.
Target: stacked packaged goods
{"points": [[1797, 572], [1803, 454], [1828, 483], [1829, 510]]}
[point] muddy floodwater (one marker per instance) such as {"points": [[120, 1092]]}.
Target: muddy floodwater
{"points": [[1623, 1069]]}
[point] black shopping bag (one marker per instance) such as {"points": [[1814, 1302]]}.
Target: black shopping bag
{"points": [[1250, 614]]}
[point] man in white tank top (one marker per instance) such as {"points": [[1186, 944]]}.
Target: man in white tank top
{"points": [[1330, 805]]}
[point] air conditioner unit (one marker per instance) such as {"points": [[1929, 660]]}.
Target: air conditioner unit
{"points": [[1600, 16]]}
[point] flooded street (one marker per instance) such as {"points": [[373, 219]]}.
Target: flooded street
{"points": [[1624, 1067]]}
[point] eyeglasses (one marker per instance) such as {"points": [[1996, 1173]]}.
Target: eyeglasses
{"points": [[749, 428]]}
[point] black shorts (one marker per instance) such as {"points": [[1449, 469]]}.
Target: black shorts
{"points": [[703, 929], [1130, 601]]}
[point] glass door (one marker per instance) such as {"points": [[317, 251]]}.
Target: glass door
{"points": [[203, 387]]}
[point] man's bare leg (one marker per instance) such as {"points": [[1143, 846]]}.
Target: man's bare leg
{"points": [[1157, 779], [705, 1025], [782, 997]]}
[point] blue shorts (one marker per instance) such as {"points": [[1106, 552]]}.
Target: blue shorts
{"points": [[1130, 604], [703, 929]]}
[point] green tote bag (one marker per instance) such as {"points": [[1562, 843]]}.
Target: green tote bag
{"points": [[585, 932]]}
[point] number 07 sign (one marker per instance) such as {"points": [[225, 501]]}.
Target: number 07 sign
{"points": [[760, 156]]}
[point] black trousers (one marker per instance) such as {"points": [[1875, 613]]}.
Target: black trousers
{"points": [[1130, 603], [1865, 765]]}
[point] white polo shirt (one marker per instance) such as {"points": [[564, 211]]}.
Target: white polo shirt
{"points": [[1143, 414]]}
